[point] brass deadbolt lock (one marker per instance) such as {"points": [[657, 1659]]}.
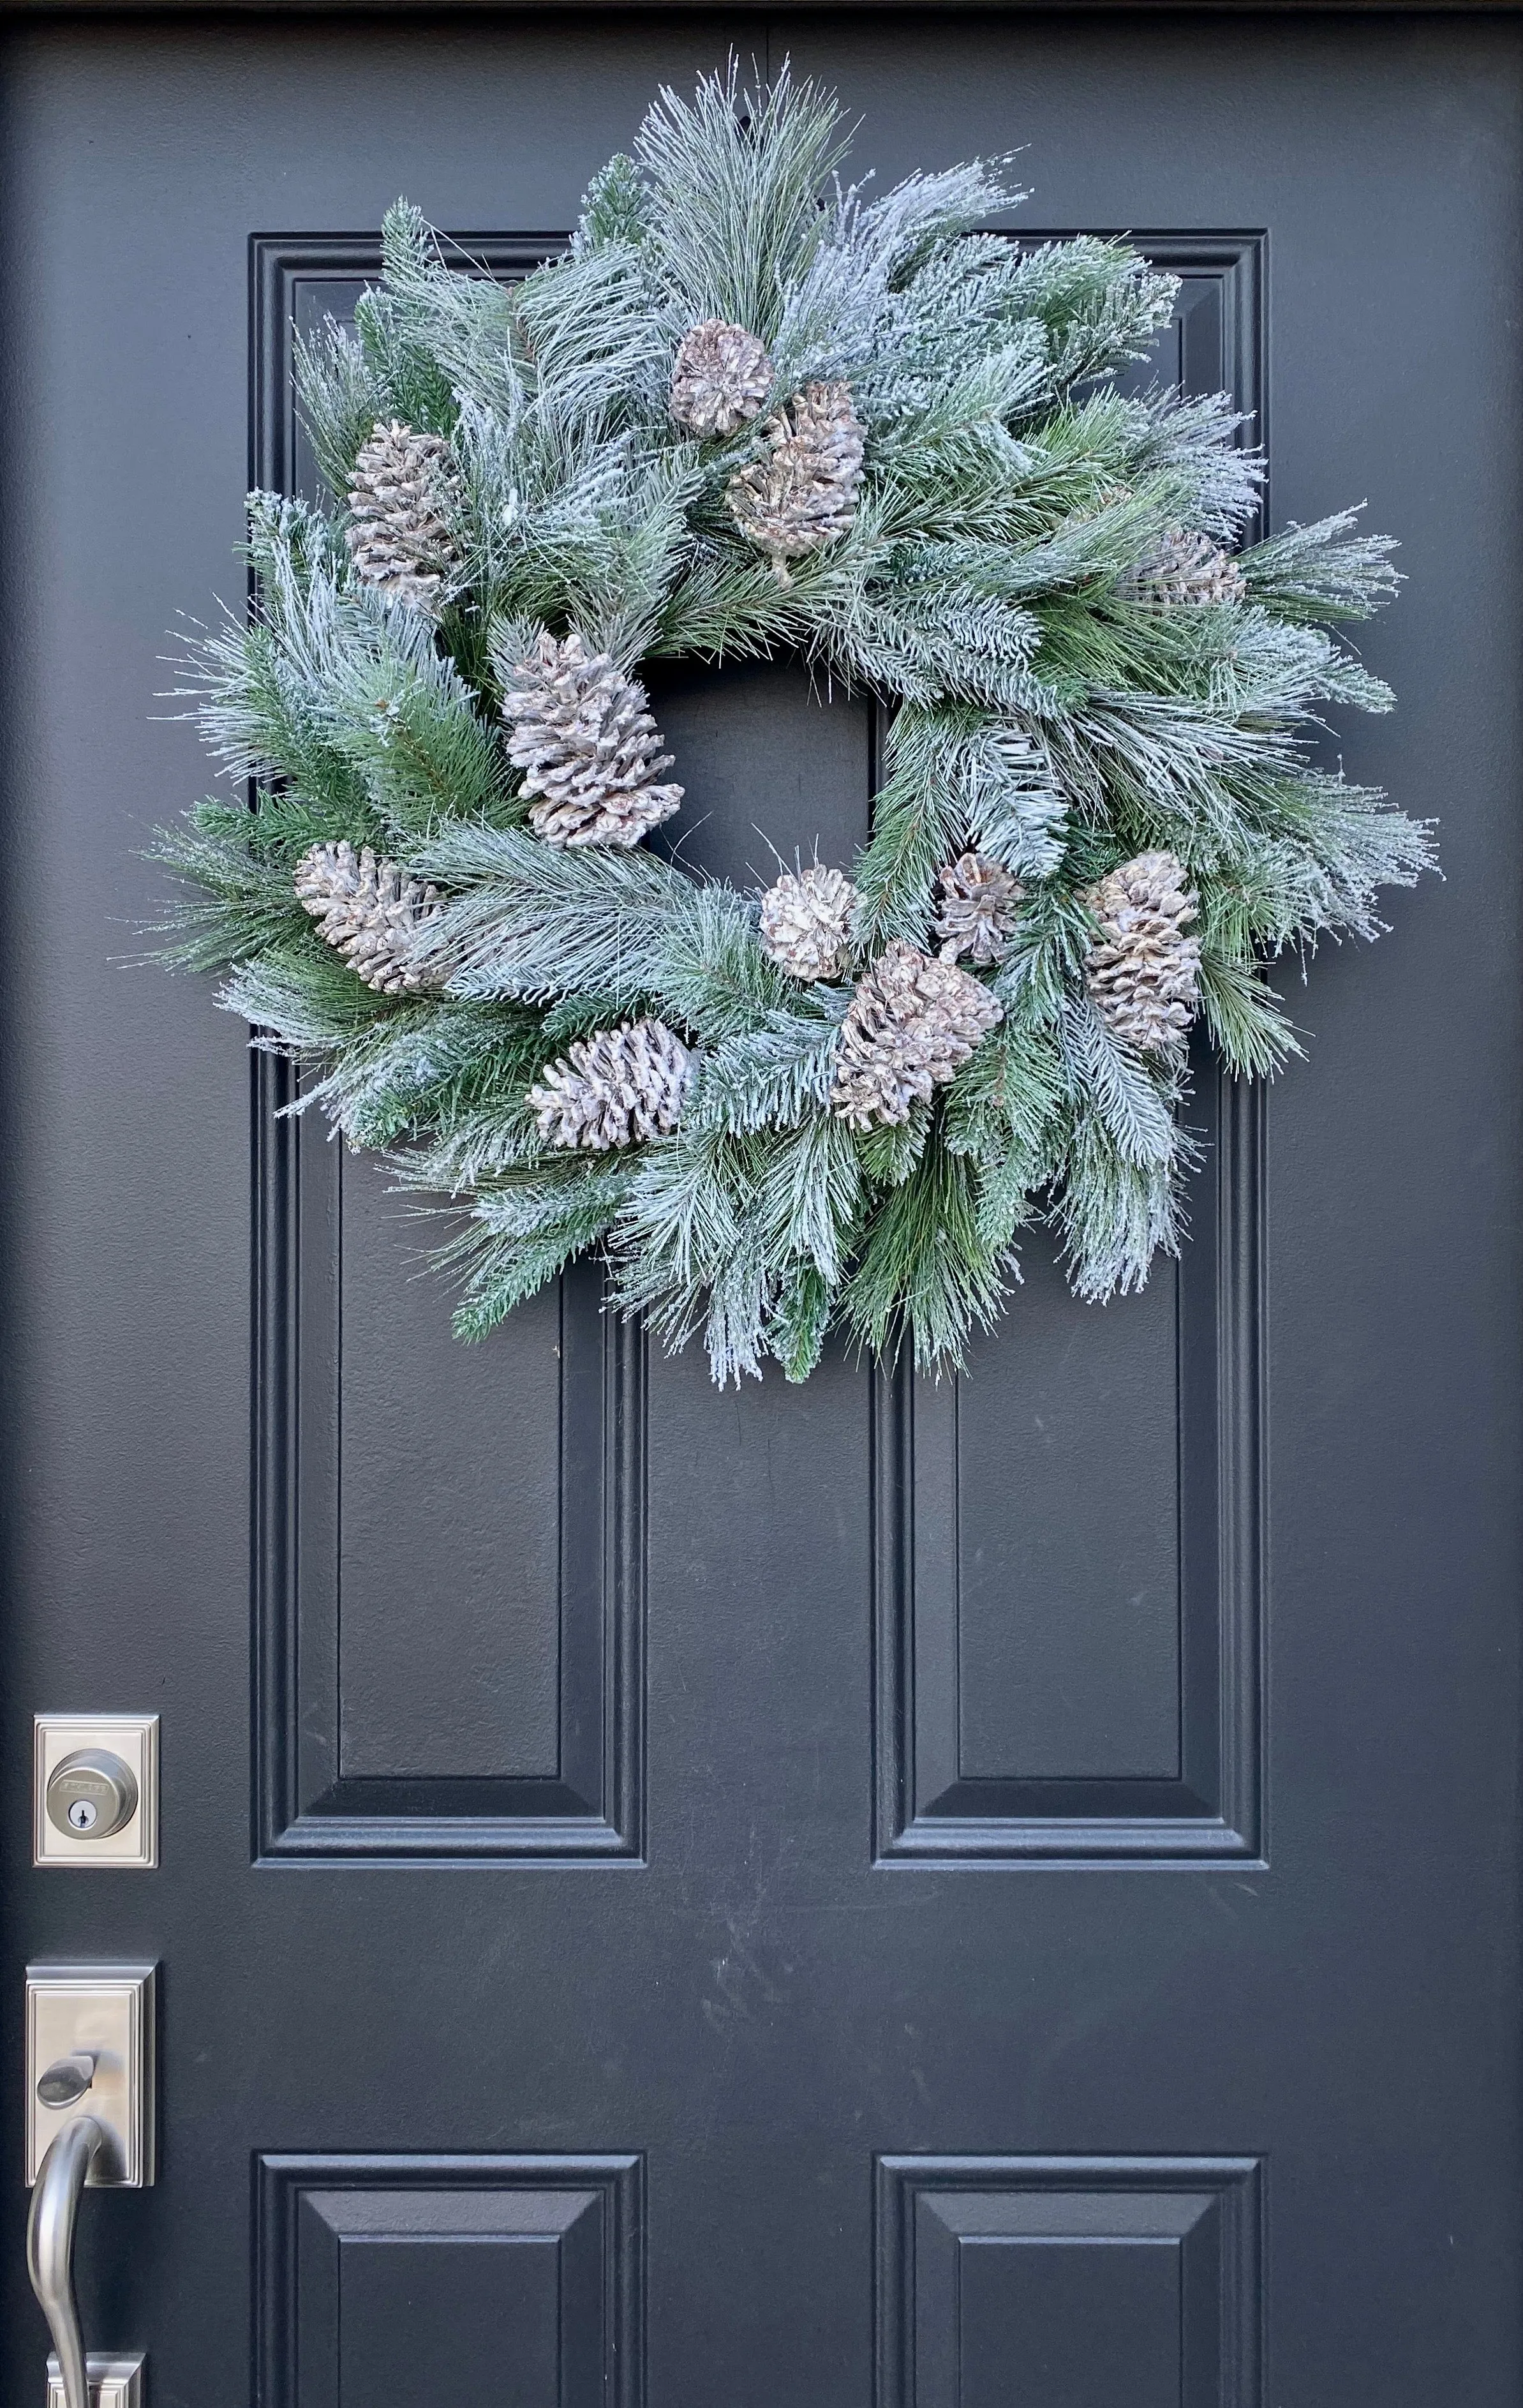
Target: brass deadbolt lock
{"points": [[90, 1794]]}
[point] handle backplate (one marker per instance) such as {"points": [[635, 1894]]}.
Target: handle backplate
{"points": [[114, 2382], [105, 2012]]}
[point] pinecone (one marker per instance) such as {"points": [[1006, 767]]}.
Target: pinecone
{"points": [[1142, 969], [913, 1022], [806, 921], [404, 497], [804, 494], [368, 911], [623, 1085], [721, 378], [978, 913], [583, 736], [1185, 569]]}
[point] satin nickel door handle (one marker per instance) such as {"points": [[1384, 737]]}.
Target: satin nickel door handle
{"points": [[49, 2245], [89, 2063]]}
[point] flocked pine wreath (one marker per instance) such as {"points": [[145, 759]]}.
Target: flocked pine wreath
{"points": [[751, 412]]}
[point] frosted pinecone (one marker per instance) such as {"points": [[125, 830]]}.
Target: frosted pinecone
{"points": [[405, 496], [913, 1023], [978, 909], [1185, 571], [370, 911], [1143, 970], [617, 1088], [583, 734], [721, 377], [804, 494], [806, 921]]}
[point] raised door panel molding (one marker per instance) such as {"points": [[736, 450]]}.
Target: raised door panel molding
{"points": [[1069, 1540], [1075, 2282], [510, 1530], [413, 2280], [1068, 1575]]}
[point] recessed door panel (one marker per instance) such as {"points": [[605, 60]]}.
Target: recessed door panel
{"points": [[415, 2280], [1069, 1553], [1098, 2283]]}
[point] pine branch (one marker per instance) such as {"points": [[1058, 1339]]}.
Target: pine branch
{"points": [[889, 1155], [1244, 1017], [797, 1326], [340, 393], [809, 1196], [1113, 1214], [540, 922], [238, 906], [1123, 1158], [613, 208], [456, 1073], [1323, 571], [1006, 1096], [301, 1001], [733, 180], [528, 920], [682, 1228], [1101, 304], [715, 1227], [926, 1271], [1003, 1112], [524, 1228], [956, 776], [1135, 1103], [771, 1077], [439, 330], [409, 722], [1198, 442]]}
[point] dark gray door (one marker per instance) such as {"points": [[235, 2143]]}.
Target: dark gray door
{"points": [[1002, 1896]]}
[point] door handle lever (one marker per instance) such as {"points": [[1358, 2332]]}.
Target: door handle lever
{"points": [[49, 2245], [90, 2058]]}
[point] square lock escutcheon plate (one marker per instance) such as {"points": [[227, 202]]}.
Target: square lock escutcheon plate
{"points": [[133, 1740]]}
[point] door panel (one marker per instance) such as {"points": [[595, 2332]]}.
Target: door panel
{"points": [[1101, 2280], [1069, 1558], [867, 1894], [422, 2279]]}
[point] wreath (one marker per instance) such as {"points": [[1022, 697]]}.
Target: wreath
{"points": [[751, 411]]}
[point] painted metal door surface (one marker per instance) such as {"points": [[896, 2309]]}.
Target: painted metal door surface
{"points": [[996, 1896]]}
